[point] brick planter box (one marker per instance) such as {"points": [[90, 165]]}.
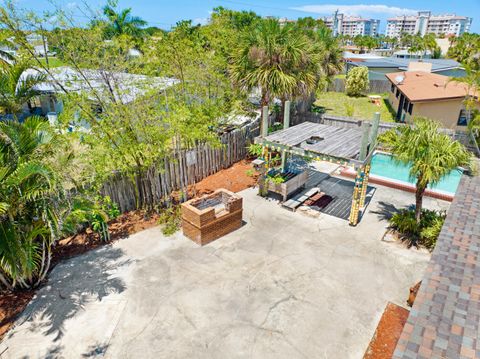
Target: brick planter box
{"points": [[212, 216], [288, 187]]}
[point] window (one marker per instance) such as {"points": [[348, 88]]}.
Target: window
{"points": [[462, 118], [410, 108], [398, 93], [392, 88]]}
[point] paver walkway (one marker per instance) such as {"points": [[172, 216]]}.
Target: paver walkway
{"points": [[283, 286]]}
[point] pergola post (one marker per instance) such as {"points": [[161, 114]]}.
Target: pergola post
{"points": [[372, 144], [264, 128], [360, 178], [286, 124]]}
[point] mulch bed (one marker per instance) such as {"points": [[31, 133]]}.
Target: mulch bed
{"points": [[235, 178], [388, 332]]}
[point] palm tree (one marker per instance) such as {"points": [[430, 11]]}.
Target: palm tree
{"points": [[6, 58], [17, 87], [122, 22], [431, 154], [276, 58], [331, 57], [28, 186]]}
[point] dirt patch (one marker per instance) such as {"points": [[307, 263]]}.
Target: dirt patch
{"points": [[388, 332], [236, 178], [11, 305]]}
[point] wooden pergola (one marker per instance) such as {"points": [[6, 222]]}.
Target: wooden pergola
{"points": [[352, 147]]}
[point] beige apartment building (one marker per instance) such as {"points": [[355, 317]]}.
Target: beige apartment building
{"points": [[426, 23], [351, 25]]}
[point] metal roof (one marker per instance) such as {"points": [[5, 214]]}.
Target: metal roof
{"points": [[127, 86], [402, 64]]}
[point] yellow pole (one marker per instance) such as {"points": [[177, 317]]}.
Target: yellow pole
{"points": [[355, 209], [363, 194]]}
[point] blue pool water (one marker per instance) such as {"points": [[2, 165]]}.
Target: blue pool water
{"points": [[384, 165]]}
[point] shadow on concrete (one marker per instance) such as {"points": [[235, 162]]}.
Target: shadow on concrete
{"points": [[75, 283], [95, 351], [385, 210]]}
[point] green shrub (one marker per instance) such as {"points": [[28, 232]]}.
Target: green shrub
{"points": [[255, 150], [349, 109], [357, 83], [170, 219], [250, 172], [276, 179], [93, 213], [425, 233]]}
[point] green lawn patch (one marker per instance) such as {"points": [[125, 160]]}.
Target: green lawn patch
{"points": [[339, 104], [53, 62]]}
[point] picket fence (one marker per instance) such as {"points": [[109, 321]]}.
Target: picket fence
{"points": [[183, 168]]}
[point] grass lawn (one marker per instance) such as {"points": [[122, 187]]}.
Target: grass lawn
{"points": [[339, 104], [53, 62]]}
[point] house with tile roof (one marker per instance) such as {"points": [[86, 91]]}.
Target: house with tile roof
{"points": [[421, 93]]}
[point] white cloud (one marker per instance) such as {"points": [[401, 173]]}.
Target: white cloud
{"points": [[71, 5], [328, 9]]}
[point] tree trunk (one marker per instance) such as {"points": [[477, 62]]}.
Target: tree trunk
{"points": [[419, 192]]}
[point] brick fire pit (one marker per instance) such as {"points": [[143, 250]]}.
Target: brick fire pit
{"points": [[212, 216]]}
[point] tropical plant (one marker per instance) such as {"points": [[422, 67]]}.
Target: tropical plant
{"points": [[422, 44], [430, 154], [95, 213], [17, 87], [357, 82], [30, 192], [275, 58], [122, 22], [466, 50], [424, 233], [6, 58], [331, 53]]}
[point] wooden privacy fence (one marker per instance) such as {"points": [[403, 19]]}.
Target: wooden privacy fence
{"points": [[186, 167], [376, 86]]}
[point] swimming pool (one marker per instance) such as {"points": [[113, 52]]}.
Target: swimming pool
{"points": [[383, 165]]}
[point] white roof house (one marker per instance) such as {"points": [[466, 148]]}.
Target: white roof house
{"points": [[126, 87]]}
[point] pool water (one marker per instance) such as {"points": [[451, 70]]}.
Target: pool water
{"points": [[385, 166]]}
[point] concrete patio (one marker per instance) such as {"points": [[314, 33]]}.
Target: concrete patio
{"points": [[285, 285]]}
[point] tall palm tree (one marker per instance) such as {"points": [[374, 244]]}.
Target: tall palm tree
{"points": [[276, 58], [431, 154], [17, 87], [122, 22], [331, 58], [28, 186]]}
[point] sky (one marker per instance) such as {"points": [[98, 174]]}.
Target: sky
{"points": [[165, 13]]}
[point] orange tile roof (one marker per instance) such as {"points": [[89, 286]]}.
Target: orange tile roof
{"points": [[425, 86]]}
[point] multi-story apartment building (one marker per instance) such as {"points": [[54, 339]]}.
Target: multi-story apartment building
{"points": [[351, 25], [426, 23]]}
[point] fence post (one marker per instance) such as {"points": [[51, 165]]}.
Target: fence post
{"points": [[264, 129]]}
